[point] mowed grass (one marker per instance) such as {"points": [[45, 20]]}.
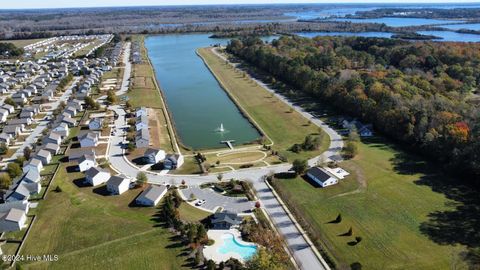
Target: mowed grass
{"points": [[275, 118], [89, 230], [144, 92], [191, 214], [387, 213]]}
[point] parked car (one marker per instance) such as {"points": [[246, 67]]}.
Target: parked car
{"points": [[200, 202]]}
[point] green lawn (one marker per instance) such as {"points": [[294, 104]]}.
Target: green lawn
{"points": [[388, 213], [191, 214], [283, 126], [91, 231]]}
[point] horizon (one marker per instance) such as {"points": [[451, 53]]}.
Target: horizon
{"points": [[50, 4]]}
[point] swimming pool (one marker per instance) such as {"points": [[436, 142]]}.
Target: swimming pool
{"points": [[231, 245]]}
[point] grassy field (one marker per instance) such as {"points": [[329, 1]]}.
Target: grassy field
{"points": [[144, 92], [89, 230], [283, 126], [22, 42], [387, 201], [191, 214]]}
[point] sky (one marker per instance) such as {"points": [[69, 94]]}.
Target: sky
{"points": [[23, 4]]}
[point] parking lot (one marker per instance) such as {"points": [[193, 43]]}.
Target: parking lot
{"points": [[214, 200]]}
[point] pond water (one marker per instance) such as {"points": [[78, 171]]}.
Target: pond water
{"points": [[452, 36], [470, 26], [198, 104], [398, 22], [345, 34]]}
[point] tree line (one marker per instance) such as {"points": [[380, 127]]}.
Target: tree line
{"points": [[416, 93]]}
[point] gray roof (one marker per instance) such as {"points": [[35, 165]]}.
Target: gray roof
{"points": [[319, 173], [227, 217], [14, 215], [44, 153], [86, 157], [152, 193], [116, 180], [93, 171]]}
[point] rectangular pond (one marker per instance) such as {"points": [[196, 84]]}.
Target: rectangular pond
{"points": [[198, 104]]}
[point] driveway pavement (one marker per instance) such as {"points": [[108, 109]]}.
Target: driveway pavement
{"points": [[213, 200]]}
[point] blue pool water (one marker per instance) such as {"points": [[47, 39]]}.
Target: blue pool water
{"points": [[230, 244]]}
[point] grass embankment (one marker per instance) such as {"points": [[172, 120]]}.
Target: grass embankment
{"points": [[284, 126], [89, 230], [144, 92], [387, 201]]}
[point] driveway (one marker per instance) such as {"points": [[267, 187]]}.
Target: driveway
{"points": [[213, 200]]}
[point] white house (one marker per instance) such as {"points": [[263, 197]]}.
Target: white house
{"points": [[86, 162], [62, 129], [321, 177], [97, 176], [52, 148], [53, 138], [32, 177], [151, 196], [44, 156], [95, 124], [34, 164], [141, 111], [172, 161], [118, 184], [89, 139], [12, 220], [141, 122], [153, 156]]}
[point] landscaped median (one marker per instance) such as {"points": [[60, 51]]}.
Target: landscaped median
{"points": [[276, 119]]}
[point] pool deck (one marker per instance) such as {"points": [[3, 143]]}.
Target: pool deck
{"points": [[210, 252]]}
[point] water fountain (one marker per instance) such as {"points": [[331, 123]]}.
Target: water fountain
{"points": [[221, 129]]}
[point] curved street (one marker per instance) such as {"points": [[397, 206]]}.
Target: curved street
{"points": [[305, 255]]}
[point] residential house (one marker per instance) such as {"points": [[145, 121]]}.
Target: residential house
{"points": [[321, 176], [62, 129], [44, 156], [52, 148], [12, 220], [151, 196], [153, 156], [142, 138], [118, 184], [225, 220], [53, 138], [5, 138], [13, 131], [141, 122], [173, 161], [86, 162], [88, 139], [141, 111], [33, 164], [75, 154], [97, 176], [9, 108], [95, 124]]}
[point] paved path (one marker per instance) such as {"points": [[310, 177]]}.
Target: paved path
{"points": [[127, 70], [303, 253]]}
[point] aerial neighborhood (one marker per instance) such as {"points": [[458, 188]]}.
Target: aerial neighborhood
{"points": [[239, 137]]}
